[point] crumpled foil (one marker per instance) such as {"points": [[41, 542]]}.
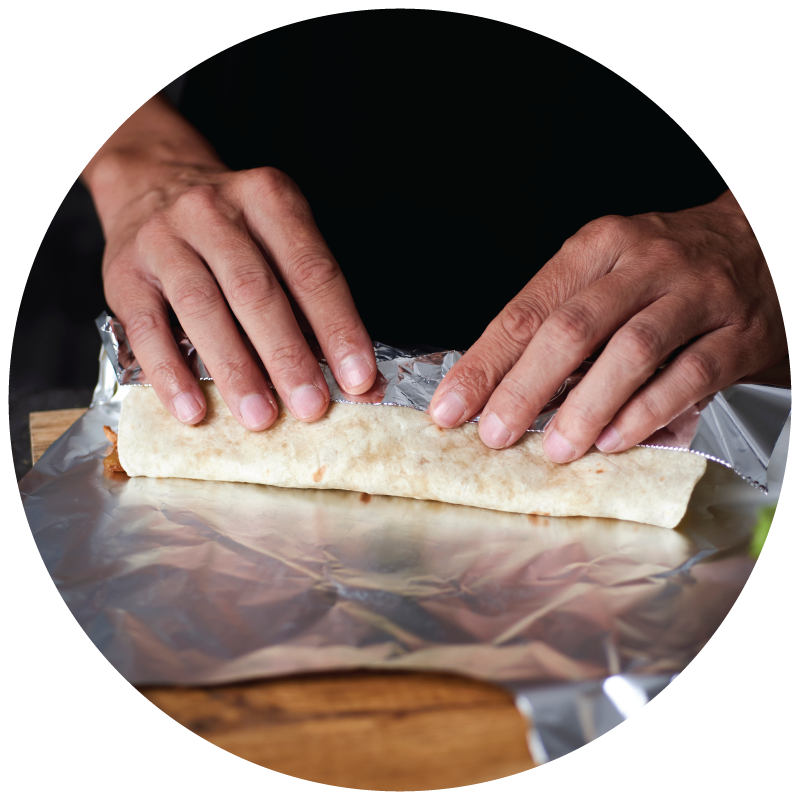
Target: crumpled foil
{"points": [[724, 429], [188, 582]]}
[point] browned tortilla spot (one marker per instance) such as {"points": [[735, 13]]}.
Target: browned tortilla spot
{"points": [[538, 520], [384, 450]]}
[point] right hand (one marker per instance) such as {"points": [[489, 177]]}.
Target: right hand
{"points": [[199, 236]]}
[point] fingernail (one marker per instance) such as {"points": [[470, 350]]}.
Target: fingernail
{"points": [[306, 401], [609, 440], [449, 410], [187, 406], [354, 371], [493, 432], [558, 448], [256, 411]]}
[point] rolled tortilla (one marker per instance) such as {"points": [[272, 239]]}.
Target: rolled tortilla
{"points": [[392, 450]]}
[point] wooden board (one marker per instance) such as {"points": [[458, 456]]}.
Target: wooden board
{"points": [[389, 731], [364, 730], [47, 426]]}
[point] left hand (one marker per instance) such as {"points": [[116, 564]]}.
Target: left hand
{"points": [[691, 285]]}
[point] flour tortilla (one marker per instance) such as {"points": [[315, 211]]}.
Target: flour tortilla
{"points": [[399, 451]]}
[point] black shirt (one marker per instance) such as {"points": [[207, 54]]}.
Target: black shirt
{"points": [[446, 157]]}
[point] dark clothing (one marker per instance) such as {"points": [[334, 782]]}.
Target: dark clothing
{"points": [[446, 157]]}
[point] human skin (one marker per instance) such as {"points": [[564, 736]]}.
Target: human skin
{"points": [[181, 229], [688, 291]]}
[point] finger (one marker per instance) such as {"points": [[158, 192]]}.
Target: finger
{"points": [[201, 310], [570, 334], [261, 306], [466, 388], [294, 245], [634, 353], [706, 366], [141, 309]]}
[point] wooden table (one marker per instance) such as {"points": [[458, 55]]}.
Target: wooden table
{"points": [[365, 730]]}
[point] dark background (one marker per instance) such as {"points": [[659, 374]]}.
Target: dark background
{"points": [[725, 78], [446, 158]]}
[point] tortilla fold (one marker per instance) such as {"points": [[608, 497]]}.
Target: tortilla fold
{"points": [[391, 450]]}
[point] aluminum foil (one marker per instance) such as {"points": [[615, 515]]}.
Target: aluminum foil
{"points": [[186, 582], [737, 427]]}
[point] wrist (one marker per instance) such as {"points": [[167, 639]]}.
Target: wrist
{"points": [[140, 165], [729, 215], [140, 180], [726, 202]]}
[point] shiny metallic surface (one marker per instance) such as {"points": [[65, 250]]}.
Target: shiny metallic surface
{"points": [[127, 368], [187, 582], [738, 427], [564, 717]]}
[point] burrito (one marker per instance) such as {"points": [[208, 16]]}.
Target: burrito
{"points": [[392, 450]]}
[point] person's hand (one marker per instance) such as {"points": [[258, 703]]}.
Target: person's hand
{"points": [[690, 286], [221, 247]]}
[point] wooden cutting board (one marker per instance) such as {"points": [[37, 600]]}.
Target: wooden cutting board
{"points": [[386, 731]]}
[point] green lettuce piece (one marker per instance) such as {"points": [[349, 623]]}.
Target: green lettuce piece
{"points": [[761, 529]]}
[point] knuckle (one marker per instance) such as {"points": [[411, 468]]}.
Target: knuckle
{"points": [[518, 321], [152, 228], [568, 329], [151, 233], [700, 369], [251, 289], [514, 398], [476, 377], [269, 176], [605, 231], [288, 358], [164, 373], [142, 326], [232, 372], [640, 344], [647, 413], [312, 272], [276, 191], [198, 200], [584, 417], [342, 334], [194, 296], [269, 181]]}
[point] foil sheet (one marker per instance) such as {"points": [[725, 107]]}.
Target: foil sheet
{"points": [[186, 582], [737, 427]]}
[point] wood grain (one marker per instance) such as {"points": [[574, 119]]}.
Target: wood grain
{"points": [[363, 730], [385, 731], [47, 426]]}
